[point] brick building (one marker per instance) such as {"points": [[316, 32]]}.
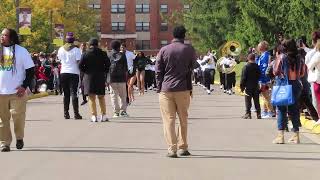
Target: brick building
{"points": [[138, 23]]}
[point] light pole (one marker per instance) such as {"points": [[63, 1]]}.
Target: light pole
{"points": [[17, 4]]}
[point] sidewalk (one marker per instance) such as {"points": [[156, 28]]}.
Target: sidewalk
{"points": [[223, 145]]}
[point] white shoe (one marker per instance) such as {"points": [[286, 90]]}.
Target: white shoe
{"points": [[94, 119], [221, 87], [208, 91], [104, 118]]}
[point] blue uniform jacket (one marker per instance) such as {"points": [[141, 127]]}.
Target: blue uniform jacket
{"points": [[262, 62]]}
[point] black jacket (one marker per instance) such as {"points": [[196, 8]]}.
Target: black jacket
{"points": [[94, 65], [118, 68], [250, 78]]}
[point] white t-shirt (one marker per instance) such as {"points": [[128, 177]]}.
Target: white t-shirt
{"points": [[69, 60], [10, 77], [130, 57]]}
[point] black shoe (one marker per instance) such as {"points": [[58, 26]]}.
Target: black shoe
{"points": [[66, 115], [77, 116], [258, 116], [19, 143], [5, 148], [184, 153], [172, 155], [247, 116], [83, 103]]}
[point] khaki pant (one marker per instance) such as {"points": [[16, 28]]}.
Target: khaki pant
{"points": [[118, 96], [15, 107], [171, 104], [93, 105]]}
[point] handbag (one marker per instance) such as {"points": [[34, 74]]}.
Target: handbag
{"points": [[282, 94]]}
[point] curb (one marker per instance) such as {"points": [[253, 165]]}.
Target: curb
{"points": [[310, 125], [39, 95]]}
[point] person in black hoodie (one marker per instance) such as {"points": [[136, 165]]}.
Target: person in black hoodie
{"points": [[118, 79], [249, 85], [95, 65]]}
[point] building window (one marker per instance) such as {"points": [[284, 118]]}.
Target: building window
{"points": [[142, 8], [94, 6], [142, 26], [163, 43], [142, 44], [164, 26], [117, 8], [118, 26], [164, 8], [98, 27], [186, 7]]}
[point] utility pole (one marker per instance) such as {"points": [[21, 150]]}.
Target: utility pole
{"points": [[50, 31], [17, 5]]}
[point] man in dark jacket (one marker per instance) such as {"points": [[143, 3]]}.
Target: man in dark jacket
{"points": [[249, 85], [174, 65], [95, 65], [118, 79]]}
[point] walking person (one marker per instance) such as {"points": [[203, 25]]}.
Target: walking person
{"points": [[131, 72], [83, 49], [70, 55], [249, 85], [209, 66], [140, 64], [174, 66], [95, 65], [16, 74], [289, 65], [118, 79]]}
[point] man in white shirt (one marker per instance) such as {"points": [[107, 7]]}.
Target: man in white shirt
{"points": [[70, 56], [131, 71], [16, 74]]}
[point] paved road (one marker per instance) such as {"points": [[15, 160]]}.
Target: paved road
{"points": [[223, 145]]}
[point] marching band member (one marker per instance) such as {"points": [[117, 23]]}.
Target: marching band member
{"points": [[227, 64], [208, 64]]}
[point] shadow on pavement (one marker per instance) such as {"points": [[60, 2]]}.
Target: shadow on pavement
{"points": [[85, 151], [255, 158]]}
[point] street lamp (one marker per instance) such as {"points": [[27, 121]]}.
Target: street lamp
{"points": [[17, 4]]}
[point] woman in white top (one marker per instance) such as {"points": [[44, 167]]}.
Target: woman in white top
{"points": [[70, 56], [312, 62]]}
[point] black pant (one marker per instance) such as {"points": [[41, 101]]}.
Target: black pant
{"points": [[148, 79], [306, 100], [228, 81], [208, 75], [70, 84], [248, 101], [222, 78]]}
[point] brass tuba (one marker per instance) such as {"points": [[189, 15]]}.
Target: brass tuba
{"points": [[232, 48]]}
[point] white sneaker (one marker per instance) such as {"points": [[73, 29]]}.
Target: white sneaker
{"points": [[94, 119], [104, 118], [221, 87], [266, 116], [208, 91]]}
